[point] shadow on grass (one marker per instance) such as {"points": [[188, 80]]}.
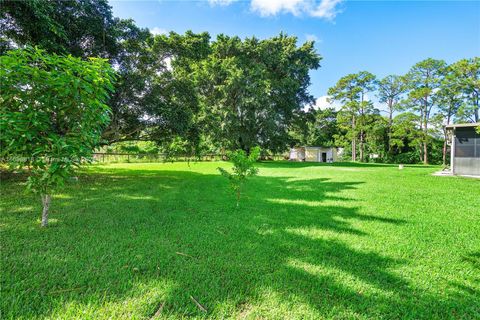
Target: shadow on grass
{"points": [[179, 233], [296, 164]]}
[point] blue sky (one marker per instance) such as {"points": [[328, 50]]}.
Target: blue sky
{"points": [[383, 37]]}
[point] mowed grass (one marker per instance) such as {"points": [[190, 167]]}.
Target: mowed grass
{"points": [[309, 241]]}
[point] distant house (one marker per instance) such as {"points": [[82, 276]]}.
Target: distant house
{"points": [[314, 154], [465, 149]]}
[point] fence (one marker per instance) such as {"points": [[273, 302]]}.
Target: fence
{"points": [[101, 157]]}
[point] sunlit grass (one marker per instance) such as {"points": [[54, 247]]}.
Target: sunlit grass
{"points": [[309, 241]]}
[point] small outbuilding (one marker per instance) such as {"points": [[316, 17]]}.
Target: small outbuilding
{"points": [[465, 149], [314, 154]]}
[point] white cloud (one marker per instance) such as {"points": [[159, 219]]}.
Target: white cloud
{"points": [[312, 37], [325, 9], [157, 30], [221, 2], [323, 103], [274, 7]]}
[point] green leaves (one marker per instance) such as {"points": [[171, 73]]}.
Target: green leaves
{"points": [[243, 167], [52, 112], [250, 90], [356, 113], [464, 79]]}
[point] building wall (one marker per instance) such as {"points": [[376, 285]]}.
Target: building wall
{"points": [[467, 166], [297, 154], [334, 154], [313, 154]]}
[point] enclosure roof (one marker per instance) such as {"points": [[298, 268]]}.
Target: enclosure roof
{"points": [[462, 125]]}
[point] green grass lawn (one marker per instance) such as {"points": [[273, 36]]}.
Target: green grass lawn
{"points": [[309, 241]]}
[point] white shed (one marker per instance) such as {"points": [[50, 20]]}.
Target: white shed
{"points": [[314, 154]]}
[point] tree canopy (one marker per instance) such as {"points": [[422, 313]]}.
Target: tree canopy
{"points": [[251, 89]]}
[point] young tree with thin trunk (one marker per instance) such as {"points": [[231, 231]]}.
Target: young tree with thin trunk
{"points": [[390, 91], [52, 114], [243, 167], [351, 91], [424, 79]]}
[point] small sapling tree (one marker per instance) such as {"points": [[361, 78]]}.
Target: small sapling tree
{"points": [[243, 167], [52, 112]]}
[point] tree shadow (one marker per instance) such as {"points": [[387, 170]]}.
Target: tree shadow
{"points": [[297, 164], [179, 233]]}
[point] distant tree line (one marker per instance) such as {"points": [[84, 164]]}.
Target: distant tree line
{"points": [[191, 94], [417, 107]]}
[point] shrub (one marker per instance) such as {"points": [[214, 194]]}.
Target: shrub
{"points": [[243, 167]]}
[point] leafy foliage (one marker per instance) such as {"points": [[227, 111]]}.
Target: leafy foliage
{"points": [[243, 167], [424, 80], [82, 28], [315, 127], [53, 112], [156, 98], [250, 90], [465, 78], [351, 91]]}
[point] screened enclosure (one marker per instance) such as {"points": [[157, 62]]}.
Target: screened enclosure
{"points": [[465, 149], [467, 143]]}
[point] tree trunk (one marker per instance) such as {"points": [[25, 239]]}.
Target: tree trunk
{"points": [[445, 136], [444, 156], [354, 142], [425, 144], [476, 106], [390, 123], [46, 206], [425, 156], [425, 132], [361, 146]]}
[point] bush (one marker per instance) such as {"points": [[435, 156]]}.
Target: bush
{"points": [[243, 167]]}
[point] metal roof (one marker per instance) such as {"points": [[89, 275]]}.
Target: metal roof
{"points": [[462, 125]]}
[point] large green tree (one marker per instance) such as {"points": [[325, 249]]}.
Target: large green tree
{"points": [[52, 114], [157, 97], [154, 97], [465, 78], [390, 91], [424, 80], [449, 99], [251, 89], [351, 91]]}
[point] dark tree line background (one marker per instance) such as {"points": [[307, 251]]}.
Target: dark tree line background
{"points": [[193, 94]]}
